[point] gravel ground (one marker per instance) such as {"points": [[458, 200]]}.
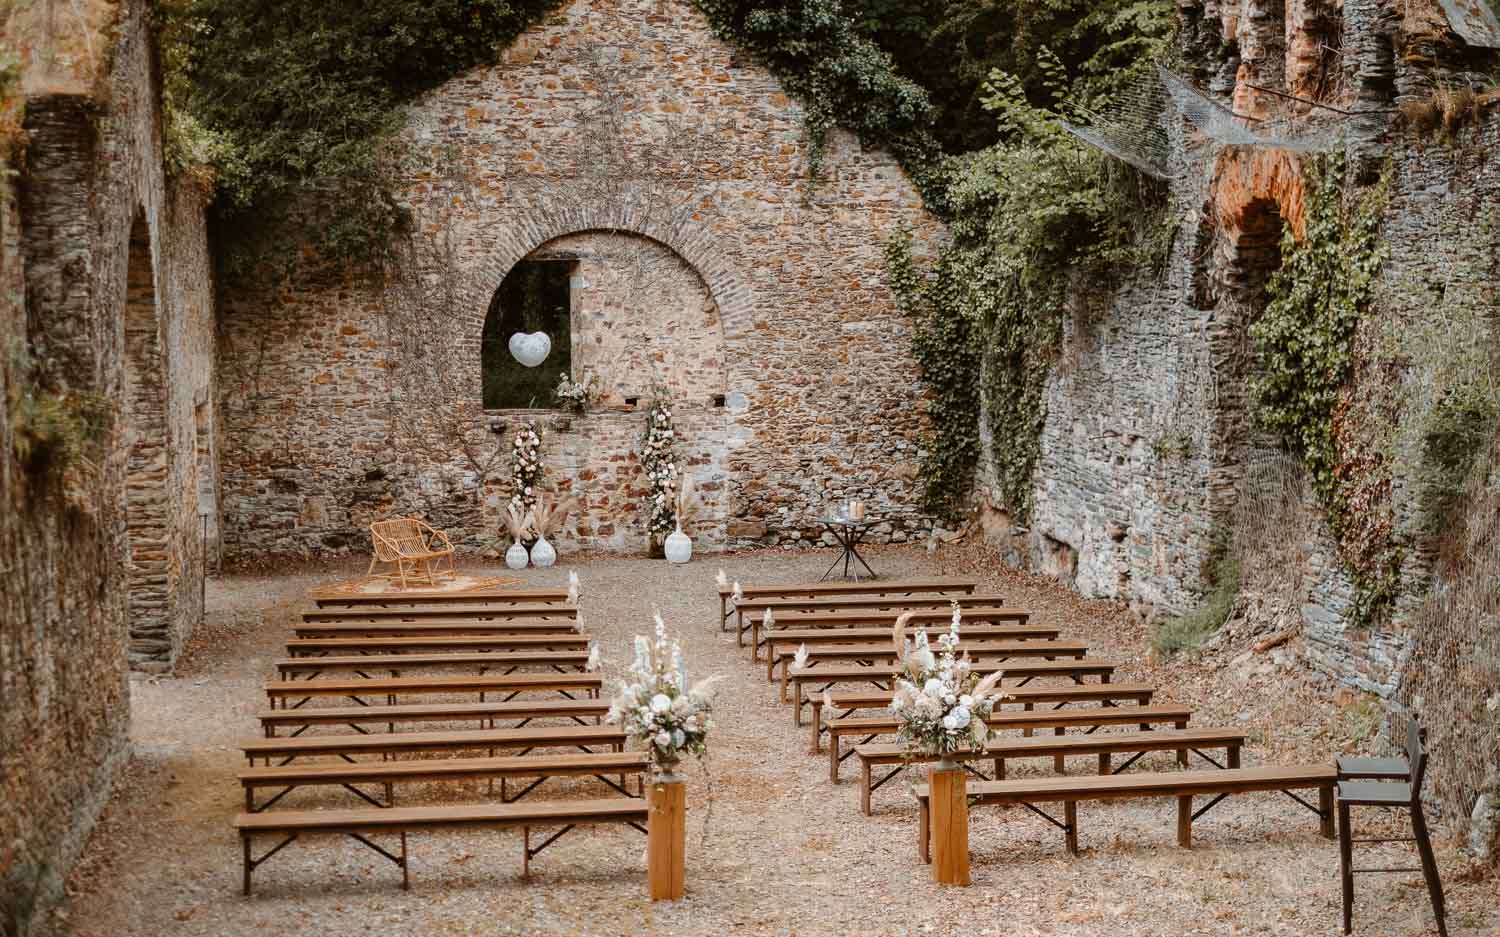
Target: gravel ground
{"points": [[774, 848]]}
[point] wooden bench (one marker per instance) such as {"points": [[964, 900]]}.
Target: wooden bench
{"points": [[500, 661], [389, 773], [1059, 720], [413, 597], [486, 714], [346, 747], [881, 653], [751, 610], [362, 823], [1184, 785], [434, 629], [1108, 694], [812, 590], [882, 674], [1104, 745], [441, 612], [307, 647], [932, 618], [393, 687], [789, 640]]}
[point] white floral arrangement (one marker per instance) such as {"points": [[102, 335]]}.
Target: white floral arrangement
{"points": [[941, 706], [575, 396], [656, 706], [526, 468], [659, 461]]}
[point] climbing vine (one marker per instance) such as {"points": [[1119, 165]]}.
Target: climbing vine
{"points": [[1038, 222], [1305, 341]]}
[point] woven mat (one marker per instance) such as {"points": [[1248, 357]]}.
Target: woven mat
{"points": [[374, 585]]}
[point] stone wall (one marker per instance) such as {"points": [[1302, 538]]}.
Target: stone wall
{"points": [[92, 175], [626, 117], [1149, 451]]}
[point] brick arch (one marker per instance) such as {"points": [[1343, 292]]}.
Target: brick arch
{"points": [[693, 243], [1246, 179]]}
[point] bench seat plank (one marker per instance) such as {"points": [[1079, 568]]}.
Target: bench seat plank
{"points": [[1000, 749], [1024, 670], [285, 690], [360, 823], [416, 629], [300, 647], [1058, 720], [495, 660], [386, 743], [1184, 785], [421, 612], [428, 597], [939, 585], [885, 652], [526, 709], [388, 773]]}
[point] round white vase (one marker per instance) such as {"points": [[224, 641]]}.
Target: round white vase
{"points": [[542, 553], [678, 547], [517, 557]]}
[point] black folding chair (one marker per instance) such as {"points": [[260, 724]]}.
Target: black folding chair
{"points": [[1397, 785]]}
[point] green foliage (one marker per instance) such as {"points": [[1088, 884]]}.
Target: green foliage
{"points": [[1223, 573], [841, 77], [291, 108], [1030, 218], [54, 428], [1461, 425], [947, 349], [1305, 343]]}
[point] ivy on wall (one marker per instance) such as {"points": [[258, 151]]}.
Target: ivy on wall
{"points": [[1305, 341]]}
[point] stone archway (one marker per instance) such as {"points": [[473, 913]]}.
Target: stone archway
{"points": [[693, 243], [152, 570]]}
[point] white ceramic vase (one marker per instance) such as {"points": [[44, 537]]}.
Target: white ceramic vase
{"points": [[516, 557], [542, 553], [678, 547]]}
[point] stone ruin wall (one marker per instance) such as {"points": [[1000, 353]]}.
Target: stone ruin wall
{"points": [[1149, 448], [821, 400], [68, 628]]}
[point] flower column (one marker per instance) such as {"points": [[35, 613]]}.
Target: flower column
{"points": [[666, 837], [948, 806]]}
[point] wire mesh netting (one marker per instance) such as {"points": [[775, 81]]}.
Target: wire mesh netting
{"points": [[1452, 678], [1132, 126]]}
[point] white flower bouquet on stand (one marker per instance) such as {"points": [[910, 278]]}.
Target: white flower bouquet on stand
{"points": [[941, 706], [657, 707]]}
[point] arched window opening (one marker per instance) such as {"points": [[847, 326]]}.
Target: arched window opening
{"points": [[535, 297]]}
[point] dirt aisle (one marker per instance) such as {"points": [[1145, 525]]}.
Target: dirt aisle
{"points": [[784, 852]]}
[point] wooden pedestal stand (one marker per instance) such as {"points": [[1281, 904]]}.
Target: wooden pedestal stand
{"points": [[666, 837], [949, 805]]}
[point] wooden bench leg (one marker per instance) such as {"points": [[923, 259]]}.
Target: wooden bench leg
{"points": [[1182, 753], [1346, 865], [864, 786], [1325, 811], [1026, 733], [1232, 751], [999, 769], [245, 842], [1104, 762], [405, 867], [924, 831], [833, 757], [525, 852], [1070, 820], [1185, 821], [1058, 763]]}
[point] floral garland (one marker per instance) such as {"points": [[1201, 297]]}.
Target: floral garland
{"points": [[656, 706], [940, 704], [526, 468], [659, 460]]}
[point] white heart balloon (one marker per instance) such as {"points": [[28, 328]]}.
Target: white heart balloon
{"points": [[531, 350]]}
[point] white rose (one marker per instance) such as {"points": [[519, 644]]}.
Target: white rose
{"points": [[660, 703], [949, 722], [933, 687], [960, 717], [663, 739], [678, 738]]}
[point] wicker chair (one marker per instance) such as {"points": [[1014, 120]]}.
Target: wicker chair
{"points": [[414, 548]]}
